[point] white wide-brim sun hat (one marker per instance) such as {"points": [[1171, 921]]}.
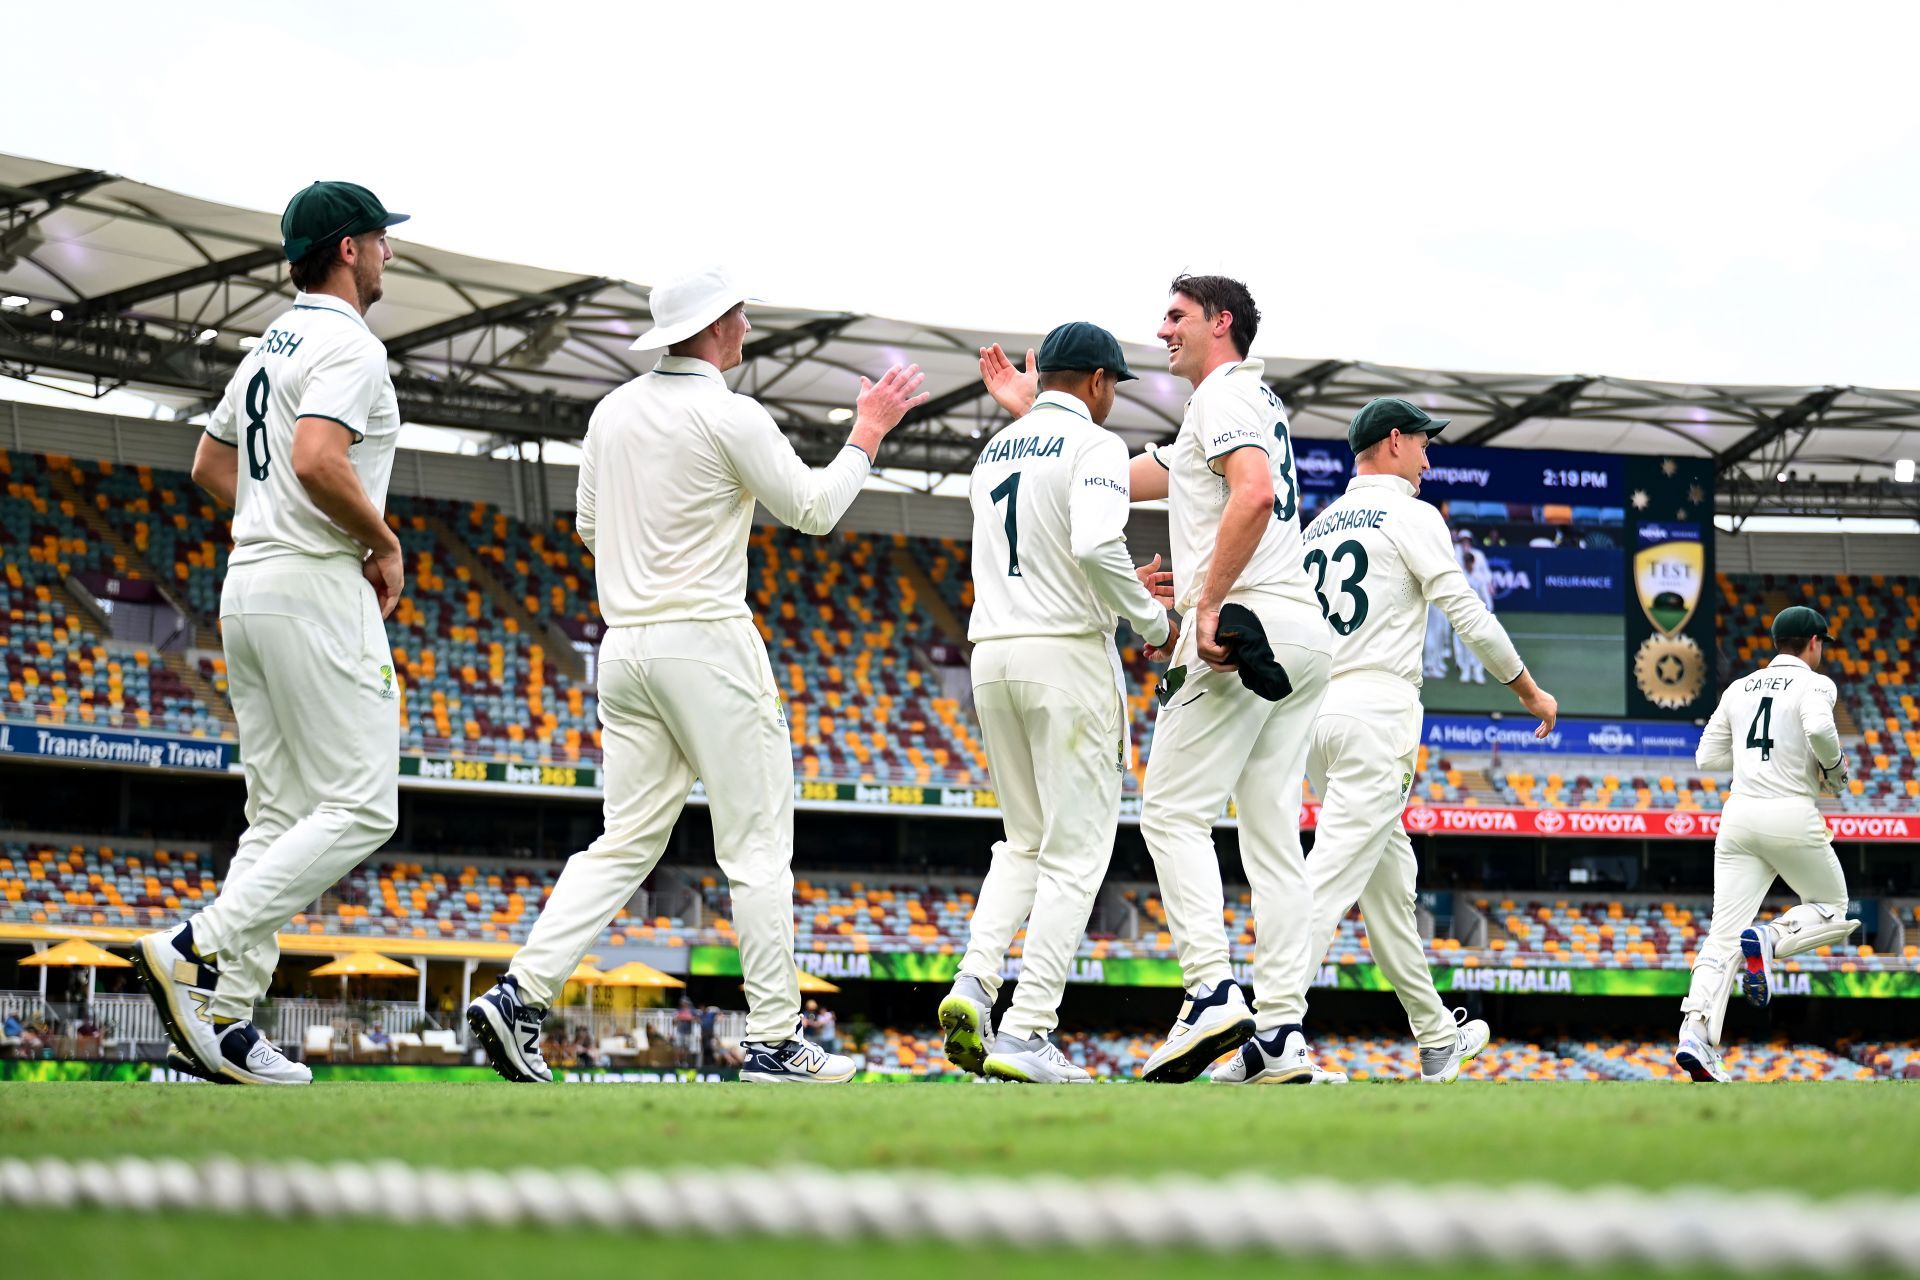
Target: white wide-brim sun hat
{"points": [[683, 307]]}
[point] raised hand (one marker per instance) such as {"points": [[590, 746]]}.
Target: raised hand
{"points": [[882, 404], [1014, 390], [1157, 581]]}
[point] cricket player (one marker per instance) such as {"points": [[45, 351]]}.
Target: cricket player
{"points": [[1050, 572], [1480, 577], [1233, 516], [670, 470], [1379, 560], [301, 445], [1775, 729]]}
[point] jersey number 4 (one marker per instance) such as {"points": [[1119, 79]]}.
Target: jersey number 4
{"points": [[259, 396], [1317, 561], [1760, 732]]}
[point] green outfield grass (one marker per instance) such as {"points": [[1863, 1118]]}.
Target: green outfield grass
{"points": [[1821, 1139], [1580, 658]]}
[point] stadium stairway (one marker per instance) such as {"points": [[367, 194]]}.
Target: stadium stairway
{"points": [[906, 564]]}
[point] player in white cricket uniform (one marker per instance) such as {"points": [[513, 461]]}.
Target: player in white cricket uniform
{"points": [[1479, 572], [1775, 729], [1234, 521], [672, 465], [1050, 572], [1379, 559], [301, 445]]}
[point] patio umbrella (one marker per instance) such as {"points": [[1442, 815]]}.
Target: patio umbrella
{"points": [[635, 974], [814, 982], [587, 975], [75, 953], [364, 964]]}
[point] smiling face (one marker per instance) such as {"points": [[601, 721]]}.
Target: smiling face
{"points": [[1197, 343]]}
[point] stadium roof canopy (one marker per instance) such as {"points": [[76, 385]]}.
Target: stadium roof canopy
{"points": [[155, 291]]}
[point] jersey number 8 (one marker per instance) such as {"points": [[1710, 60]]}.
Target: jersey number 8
{"points": [[259, 395]]}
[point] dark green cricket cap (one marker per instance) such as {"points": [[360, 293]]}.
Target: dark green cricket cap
{"points": [[1798, 622], [1380, 418], [326, 211], [1079, 347]]}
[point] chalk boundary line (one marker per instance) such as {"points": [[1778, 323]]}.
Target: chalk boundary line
{"points": [[1677, 1229]]}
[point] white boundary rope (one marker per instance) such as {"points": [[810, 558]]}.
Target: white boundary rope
{"points": [[1678, 1229]]}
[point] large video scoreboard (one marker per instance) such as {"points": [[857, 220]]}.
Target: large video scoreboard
{"points": [[1600, 566]]}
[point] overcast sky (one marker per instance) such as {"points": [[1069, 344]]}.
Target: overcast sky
{"points": [[1685, 192]]}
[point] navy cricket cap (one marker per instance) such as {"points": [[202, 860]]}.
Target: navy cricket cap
{"points": [[1380, 418], [326, 211], [1079, 347], [1798, 622]]}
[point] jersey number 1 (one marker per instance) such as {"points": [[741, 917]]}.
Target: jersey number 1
{"points": [[1760, 732], [1010, 490], [259, 395]]}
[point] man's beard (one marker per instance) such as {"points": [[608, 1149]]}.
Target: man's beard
{"points": [[368, 286]]}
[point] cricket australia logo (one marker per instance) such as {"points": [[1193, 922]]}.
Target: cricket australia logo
{"points": [[1406, 785], [386, 682]]}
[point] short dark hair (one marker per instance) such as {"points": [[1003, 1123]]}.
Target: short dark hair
{"points": [[1793, 646], [1223, 293], [1062, 378], [312, 271]]}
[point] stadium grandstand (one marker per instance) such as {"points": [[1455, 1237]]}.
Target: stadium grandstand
{"points": [[1553, 875]]}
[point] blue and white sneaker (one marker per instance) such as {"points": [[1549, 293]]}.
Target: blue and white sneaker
{"points": [[1701, 1061], [794, 1061], [966, 1020], [247, 1057], [1756, 979], [180, 983], [509, 1028], [1279, 1057], [180, 1062], [1213, 1019]]}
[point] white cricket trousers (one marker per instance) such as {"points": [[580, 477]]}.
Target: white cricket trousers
{"points": [[1361, 765], [1758, 840], [1217, 740], [316, 701], [1054, 725], [679, 701]]}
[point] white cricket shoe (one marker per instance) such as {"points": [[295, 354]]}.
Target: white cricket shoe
{"points": [[1756, 979], [181, 984], [794, 1061], [1442, 1066], [1701, 1061], [247, 1057], [1279, 1057], [1212, 1020], [509, 1029], [1032, 1059], [966, 1019]]}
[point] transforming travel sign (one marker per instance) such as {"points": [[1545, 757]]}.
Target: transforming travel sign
{"points": [[1143, 971]]}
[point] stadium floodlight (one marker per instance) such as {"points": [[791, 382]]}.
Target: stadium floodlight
{"points": [[56, 315], [206, 336], [1782, 477], [839, 415], [1903, 470], [13, 302], [249, 342]]}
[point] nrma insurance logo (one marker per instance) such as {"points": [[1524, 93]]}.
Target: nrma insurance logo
{"points": [[1610, 738]]}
